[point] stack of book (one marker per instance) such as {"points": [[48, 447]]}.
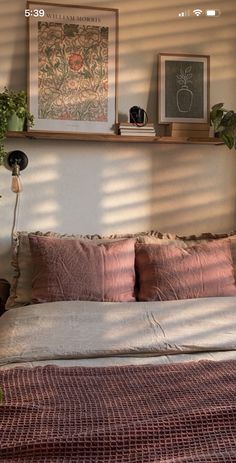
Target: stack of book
{"points": [[129, 129]]}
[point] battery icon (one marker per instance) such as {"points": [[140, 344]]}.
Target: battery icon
{"points": [[212, 12]]}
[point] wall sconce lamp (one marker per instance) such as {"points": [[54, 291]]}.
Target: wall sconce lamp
{"points": [[16, 161]]}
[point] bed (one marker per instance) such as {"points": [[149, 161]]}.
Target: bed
{"points": [[121, 381]]}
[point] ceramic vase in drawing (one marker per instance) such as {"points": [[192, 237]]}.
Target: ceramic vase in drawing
{"points": [[184, 96]]}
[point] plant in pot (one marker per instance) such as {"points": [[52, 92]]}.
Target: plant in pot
{"points": [[14, 115], [224, 123]]}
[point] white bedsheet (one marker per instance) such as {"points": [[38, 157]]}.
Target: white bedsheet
{"points": [[100, 334]]}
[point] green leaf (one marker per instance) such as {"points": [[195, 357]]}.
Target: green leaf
{"points": [[228, 140], [216, 116], [217, 106], [228, 119], [1, 396]]}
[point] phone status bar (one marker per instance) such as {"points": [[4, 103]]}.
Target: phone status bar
{"points": [[197, 12]]}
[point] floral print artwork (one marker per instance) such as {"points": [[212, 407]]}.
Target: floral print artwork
{"points": [[73, 72]]}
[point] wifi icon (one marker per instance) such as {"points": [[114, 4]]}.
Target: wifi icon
{"points": [[197, 12]]}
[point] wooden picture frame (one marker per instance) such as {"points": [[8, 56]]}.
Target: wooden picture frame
{"points": [[72, 72], [183, 88]]}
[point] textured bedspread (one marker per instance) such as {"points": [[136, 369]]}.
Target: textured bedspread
{"points": [[178, 413]]}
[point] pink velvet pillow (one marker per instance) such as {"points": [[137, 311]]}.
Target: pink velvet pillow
{"points": [[168, 272], [67, 269]]}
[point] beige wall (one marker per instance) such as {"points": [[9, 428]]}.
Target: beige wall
{"points": [[103, 187]]}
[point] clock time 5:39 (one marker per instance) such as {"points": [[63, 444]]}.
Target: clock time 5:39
{"points": [[35, 13]]}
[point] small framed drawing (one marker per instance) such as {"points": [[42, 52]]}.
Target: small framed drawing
{"points": [[183, 88], [72, 77]]}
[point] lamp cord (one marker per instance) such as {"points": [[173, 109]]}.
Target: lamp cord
{"points": [[15, 216]]}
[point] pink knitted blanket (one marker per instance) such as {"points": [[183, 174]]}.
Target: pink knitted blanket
{"points": [[179, 413]]}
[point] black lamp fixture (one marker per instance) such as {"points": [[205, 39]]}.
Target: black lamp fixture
{"points": [[16, 161]]}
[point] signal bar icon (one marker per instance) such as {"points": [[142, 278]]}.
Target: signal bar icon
{"points": [[197, 12]]}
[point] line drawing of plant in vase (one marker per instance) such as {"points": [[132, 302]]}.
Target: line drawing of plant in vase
{"points": [[184, 96]]}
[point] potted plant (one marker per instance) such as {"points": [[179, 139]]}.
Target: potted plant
{"points": [[224, 123], [14, 114]]}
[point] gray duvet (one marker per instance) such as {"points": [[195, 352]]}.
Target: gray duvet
{"points": [[100, 334]]}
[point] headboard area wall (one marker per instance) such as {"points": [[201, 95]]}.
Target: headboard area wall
{"points": [[106, 187]]}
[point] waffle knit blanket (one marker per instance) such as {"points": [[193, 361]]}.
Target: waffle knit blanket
{"points": [[178, 413]]}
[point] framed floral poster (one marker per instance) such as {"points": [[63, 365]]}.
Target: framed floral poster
{"points": [[183, 88], [72, 76]]}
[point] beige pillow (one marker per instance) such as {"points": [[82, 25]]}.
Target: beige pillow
{"points": [[165, 239], [192, 240]]}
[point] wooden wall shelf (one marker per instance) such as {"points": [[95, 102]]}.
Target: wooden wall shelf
{"points": [[37, 135]]}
